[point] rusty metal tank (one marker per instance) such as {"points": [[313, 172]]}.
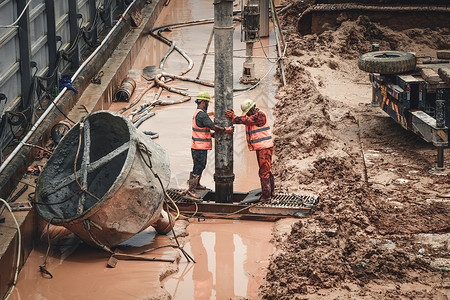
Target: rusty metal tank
{"points": [[102, 182]]}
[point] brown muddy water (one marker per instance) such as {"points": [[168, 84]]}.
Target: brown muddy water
{"points": [[231, 255]]}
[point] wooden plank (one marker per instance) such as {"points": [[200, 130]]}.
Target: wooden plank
{"points": [[430, 76], [444, 74], [443, 54]]}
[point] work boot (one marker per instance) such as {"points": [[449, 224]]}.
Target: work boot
{"points": [[272, 184], [199, 186], [191, 192], [265, 190]]}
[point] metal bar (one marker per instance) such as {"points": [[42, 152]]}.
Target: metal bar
{"points": [[235, 210], [206, 53], [51, 34], [85, 164], [25, 54], [279, 39], [61, 21], [7, 36], [263, 18], [37, 11], [223, 90], [73, 23], [92, 14], [108, 16], [36, 46], [9, 73], [440, 157]]}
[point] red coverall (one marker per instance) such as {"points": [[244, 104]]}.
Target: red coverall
{"points": [[263, 148]]}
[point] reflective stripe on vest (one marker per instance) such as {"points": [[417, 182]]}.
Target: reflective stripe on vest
{"points": [[201, 136], [259, 137]]}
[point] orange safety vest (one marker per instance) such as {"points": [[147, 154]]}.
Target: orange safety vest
{"points": [[259, 137], [201, 136]]}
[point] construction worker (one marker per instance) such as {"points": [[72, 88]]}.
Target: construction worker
{"points": [[259, 139], [201, 142]]}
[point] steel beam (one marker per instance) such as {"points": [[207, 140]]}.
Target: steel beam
{"points": [[223, 90], [108, 16], [73, 23], [92, 14], [25, 55], [51, 35], [263, 18]]}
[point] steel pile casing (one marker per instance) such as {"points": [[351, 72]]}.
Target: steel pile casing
{"points": [[131, 197]]}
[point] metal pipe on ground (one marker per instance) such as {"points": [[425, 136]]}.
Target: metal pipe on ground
{"points": [[126, 90], [148, 88], [223, 90]]}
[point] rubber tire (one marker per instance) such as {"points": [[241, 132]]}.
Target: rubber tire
{"points": [[387, 62]]}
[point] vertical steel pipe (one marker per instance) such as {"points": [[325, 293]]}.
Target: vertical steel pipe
{"points": [[25, 55], [263, 18], [51, 35], [440, 123], [223, 90], [73, 24], [440, 157]]}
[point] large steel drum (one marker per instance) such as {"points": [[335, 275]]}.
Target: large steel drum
{"points": [[100, 182]]}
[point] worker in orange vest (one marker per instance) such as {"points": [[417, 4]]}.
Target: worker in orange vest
{"points": [[201, 142], [259, 139]]}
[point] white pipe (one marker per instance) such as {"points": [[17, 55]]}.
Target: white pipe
{"points": [[20, 16], [54, 102], [18, 248]]}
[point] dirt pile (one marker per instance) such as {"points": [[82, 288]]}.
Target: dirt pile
{"points": [[381, 229]]}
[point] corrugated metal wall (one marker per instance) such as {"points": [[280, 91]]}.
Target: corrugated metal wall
{"points": [[48, 41]]}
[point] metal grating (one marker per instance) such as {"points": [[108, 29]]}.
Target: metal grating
{"points": [[291, 200], [280, 200], [177, 195]]}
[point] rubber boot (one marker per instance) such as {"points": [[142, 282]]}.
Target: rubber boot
{"points": [[191, 192], [272, 184], [266, 190], [199, 186]]}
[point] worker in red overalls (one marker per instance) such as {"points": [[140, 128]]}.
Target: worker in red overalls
{"points": [[201, 142], [259, 139]]}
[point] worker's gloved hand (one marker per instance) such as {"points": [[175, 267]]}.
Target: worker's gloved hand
{"points": [[230, 114], [229, 129]]}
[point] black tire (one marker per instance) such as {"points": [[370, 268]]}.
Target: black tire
{"points": [[387, 62]]}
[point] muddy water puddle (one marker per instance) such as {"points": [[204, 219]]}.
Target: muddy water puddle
{"points": [[231, 257]]}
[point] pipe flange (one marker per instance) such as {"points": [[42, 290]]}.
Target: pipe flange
{"points": [[224, 178]]}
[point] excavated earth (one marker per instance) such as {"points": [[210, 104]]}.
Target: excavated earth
{"points": [[382, 225]]}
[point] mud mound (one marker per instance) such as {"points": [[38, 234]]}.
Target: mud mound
{"points": [[353, 38], [373, 234]]}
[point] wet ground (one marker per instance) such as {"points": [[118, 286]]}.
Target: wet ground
{"points": [[231, 255]]}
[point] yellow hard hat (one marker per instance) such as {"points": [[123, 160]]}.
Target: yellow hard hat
{"points": [[246, 106], [204, 96]]}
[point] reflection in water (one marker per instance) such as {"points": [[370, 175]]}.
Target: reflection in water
{"points": [[231, 257]]}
